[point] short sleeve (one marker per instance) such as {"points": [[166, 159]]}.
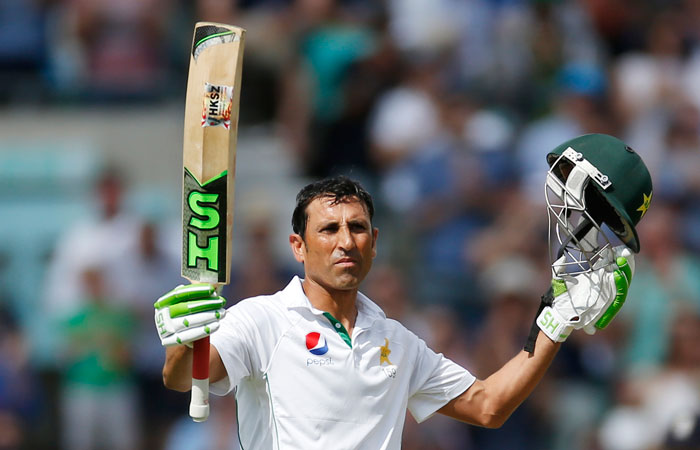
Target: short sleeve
{"points": [[238, 342], [436, 380]]}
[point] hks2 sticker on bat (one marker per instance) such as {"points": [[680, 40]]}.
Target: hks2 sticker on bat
{"points": [[216, 107]]}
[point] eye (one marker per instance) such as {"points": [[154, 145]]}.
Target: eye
{"points": [[358, 227], [331, 228]]}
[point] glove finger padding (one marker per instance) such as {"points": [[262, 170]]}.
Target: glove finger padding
{"points": [[188, 313], [628, 255], [196, 320], [196, 306], [186, 293], [622, 278], [190, 335]]}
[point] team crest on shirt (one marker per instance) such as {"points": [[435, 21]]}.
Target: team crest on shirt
{"points": [[384, 352], [316, 344]]}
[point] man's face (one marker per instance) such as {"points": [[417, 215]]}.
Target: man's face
{"points": [[339, 243]]}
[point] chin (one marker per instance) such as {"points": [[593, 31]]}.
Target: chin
{"points": [[346, 285], [346, 282]]}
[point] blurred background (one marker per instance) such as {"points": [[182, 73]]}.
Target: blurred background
{"points": [[444, 109]]}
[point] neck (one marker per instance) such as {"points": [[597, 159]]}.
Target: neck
{"points": [[341, 304]]}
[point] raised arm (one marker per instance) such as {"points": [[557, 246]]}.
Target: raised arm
{"points": [[587, 301], [490, 402], [177, 370], [182, 316]]}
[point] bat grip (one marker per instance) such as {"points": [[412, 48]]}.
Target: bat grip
{"points": [[199, 404]]}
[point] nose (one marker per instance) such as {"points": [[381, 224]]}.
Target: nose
{"points": [[346, 240]]}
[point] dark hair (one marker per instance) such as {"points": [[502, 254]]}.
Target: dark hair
{"points": [[339, 188]]}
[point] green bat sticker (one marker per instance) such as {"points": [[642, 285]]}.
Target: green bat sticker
{"points": [[204, 234]]}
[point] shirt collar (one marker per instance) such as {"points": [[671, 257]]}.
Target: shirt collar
{"points": [[367, 310]]}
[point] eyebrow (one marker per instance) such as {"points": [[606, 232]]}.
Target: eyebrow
{"points": [[359, 221], [333, 222], [327, 223]]}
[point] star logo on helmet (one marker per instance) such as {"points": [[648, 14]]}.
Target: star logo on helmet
{"points": [[645, 204]]}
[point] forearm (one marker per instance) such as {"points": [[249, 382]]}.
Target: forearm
{"points": [[491, 401], [515, 381], [177, 370]]}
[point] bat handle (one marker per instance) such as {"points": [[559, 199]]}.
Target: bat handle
{"points": [[199, 404]]}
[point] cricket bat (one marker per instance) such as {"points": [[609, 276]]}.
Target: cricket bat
{"points": [[209, 163]]}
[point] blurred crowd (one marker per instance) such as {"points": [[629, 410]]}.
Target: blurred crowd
{"points": [[445, 110]]}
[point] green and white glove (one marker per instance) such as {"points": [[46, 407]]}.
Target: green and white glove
{"points": [[587, 301], [188, 313]]}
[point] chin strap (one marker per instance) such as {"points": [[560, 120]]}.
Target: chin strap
{"points": [[546, 300]]}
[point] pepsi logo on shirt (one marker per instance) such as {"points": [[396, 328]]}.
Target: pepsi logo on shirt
{"points": [[316, 344]]}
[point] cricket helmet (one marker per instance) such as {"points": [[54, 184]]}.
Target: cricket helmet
{"points": [[596, 183]]}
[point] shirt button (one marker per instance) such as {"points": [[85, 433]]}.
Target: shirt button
{"points": [[337, 325]]}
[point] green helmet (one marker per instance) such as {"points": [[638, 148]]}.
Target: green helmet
{"points": [[609, 179]]}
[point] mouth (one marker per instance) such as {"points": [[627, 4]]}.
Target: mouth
{"points": [[346, 262]]}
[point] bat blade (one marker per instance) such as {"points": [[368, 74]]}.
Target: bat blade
{"points": [[209, 162]]}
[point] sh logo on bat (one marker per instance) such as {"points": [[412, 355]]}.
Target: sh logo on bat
{"points": [[204, 252]]}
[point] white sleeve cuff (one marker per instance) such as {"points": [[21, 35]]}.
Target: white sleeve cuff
{"points": [[425, 410]]}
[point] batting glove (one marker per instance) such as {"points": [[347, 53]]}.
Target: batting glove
{"points": [[188, 313], [590, 300]]}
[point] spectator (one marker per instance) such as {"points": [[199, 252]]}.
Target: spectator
{"points": [[649, 85], [650, 402], [23, 36], [117, 49], [315, 79], [579, 106], [110, 238], [677, 177], [509, 290], [260, 271], [152, 268], [99, 402], [437, 192], [667, 278], [20, 391]]}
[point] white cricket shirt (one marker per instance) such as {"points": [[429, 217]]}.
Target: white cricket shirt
{"points": [[302, 383]]}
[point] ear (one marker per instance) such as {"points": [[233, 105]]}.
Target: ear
{"points": [[375, 234], [298, 247]]}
